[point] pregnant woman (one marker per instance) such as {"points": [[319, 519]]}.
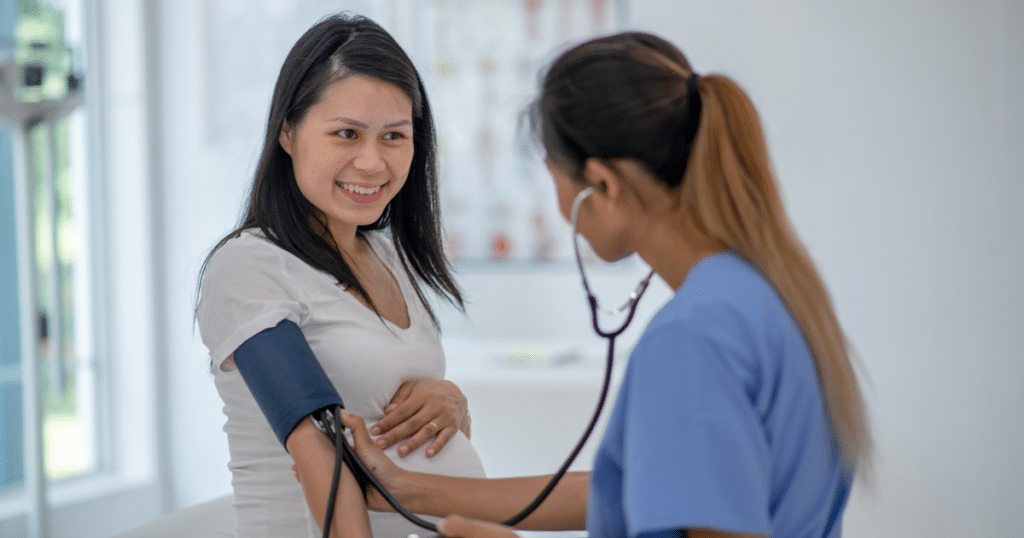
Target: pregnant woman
{"points": [[340, 237]]}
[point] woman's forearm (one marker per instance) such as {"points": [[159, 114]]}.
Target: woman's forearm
{"points": [[313, 453], [498, 499]]}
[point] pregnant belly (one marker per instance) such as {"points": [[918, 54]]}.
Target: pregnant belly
{"points": [[457, 458]]}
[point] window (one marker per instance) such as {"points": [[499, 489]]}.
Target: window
{"points": [[97, 246], [45, 218]]}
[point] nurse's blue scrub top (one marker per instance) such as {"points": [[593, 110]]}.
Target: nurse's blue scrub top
{"points": [[720, 422]]}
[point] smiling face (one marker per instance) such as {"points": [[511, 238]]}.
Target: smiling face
{"points": [[352, 151]]}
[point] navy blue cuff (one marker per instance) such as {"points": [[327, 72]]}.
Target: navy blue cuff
{"points": [[284, 377]]}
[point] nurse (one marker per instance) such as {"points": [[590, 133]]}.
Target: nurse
{"points": [[740, 412], [339, 243]]}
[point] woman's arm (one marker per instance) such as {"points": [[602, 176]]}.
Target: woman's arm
{"points": [[495, 499], [313, 453]]}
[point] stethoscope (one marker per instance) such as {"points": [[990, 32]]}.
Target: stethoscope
{"points": [[345, 453]]}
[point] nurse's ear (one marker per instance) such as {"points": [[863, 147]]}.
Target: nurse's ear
{"points": [[616, 182], [628, 185], [285, 137], [614, 202], [607, 180]]}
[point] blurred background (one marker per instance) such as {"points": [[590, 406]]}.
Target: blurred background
{"points": [[129, 130]]}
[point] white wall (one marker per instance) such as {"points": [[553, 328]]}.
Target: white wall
{"points": [[894, 126], [200, 193]]}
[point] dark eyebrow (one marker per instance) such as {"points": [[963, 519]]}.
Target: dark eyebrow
{"points": [[364, 126]]}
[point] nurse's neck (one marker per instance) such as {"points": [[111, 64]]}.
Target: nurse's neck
{"points": [[672, 250], [659, 230]]}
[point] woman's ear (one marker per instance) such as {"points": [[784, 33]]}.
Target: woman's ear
{"points": [[285, 137], [607, 181]]}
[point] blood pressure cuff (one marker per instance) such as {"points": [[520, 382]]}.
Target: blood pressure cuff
{"points": [[284, 377]]}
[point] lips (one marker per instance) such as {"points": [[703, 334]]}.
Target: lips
{"points": [[362, 194]]}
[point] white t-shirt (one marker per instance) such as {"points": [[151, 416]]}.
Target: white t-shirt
{"points": [[251, 285]]}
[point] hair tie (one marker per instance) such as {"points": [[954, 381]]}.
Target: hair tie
{"points": [[691, 86], [693, 106], [692, 121]]}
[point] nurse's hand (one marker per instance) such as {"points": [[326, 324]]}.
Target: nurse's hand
{"points": [[422, 410], [387, 473], [458, 526]]}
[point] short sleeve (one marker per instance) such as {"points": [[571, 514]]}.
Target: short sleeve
{"points": [[246, 288], [695, 452]]}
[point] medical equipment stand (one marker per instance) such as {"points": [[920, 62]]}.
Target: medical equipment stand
{"points": [[25, 116]]}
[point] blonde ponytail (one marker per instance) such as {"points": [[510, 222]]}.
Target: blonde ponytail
{"points": [[730, 194]]}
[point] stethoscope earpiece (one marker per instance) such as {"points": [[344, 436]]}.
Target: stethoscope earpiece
{"points": [[575, 214]]}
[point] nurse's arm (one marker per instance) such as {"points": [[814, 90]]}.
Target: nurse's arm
{"points": [[497, 499], [313, 453], [488, 499]]}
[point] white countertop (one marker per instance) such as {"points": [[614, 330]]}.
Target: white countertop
{"points": [[530, 363]]}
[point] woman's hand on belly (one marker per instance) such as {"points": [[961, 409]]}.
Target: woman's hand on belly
{"points": [[422, 410]]}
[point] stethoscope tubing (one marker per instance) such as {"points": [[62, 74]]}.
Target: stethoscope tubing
{"points": [[345, 453]]}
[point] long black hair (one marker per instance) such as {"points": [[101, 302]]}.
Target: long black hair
{"points": [[337, 47]]}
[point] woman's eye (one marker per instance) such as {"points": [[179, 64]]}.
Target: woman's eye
{"points": [[347, 133], [394, 136]]}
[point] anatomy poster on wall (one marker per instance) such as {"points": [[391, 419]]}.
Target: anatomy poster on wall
{"points": [[484, 65]]}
